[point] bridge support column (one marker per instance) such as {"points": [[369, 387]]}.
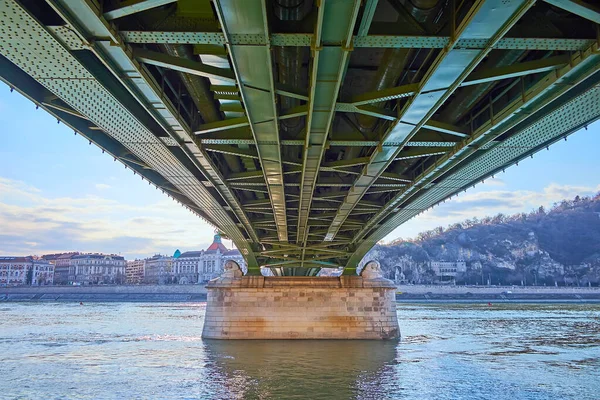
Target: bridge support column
{"points": [[267, 307]]}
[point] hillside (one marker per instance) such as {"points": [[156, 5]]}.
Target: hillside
{"points": [[557, 246]]}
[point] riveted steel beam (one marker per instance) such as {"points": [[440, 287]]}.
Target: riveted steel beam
{"points": [[397, 92], [347, 163], [448, 71], [253, 68], [361, 102], [134, 6], [294, 112], [366, 110], [367, 17], [84, 22], [420, 152], [182, 65], [34, 91], [245, 175], [122, 116], [328, 67], [446, 128], [516, 70], [223, 125], [561, 102], [578, 7], [288, 91], [374, 41]]}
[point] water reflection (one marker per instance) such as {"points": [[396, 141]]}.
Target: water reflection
{"points": [[292, 369]]}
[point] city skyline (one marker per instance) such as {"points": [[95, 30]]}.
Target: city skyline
{"points": [[57, 193]]}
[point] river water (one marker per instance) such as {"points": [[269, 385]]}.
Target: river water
{"points": [[154, 351]]}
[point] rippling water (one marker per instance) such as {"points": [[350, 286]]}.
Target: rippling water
{"points": [[147, 351]]}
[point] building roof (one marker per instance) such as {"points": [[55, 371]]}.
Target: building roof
{"points": [[212, 249], [191, 254], [217, 245], [15, 259], [66, 256], [99, 256]]}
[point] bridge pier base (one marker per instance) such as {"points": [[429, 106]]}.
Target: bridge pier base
{"points": [[266, 307]]}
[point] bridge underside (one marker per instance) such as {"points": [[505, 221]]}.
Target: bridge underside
{"points": [[306, 131]]}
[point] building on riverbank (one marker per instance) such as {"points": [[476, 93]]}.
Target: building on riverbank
{"points": [[42, 273], [13, 270], [18, 271], [203, 265], [158, 270], [186, 266], [62, 266], [87, 269], [134, 271], [448, 269]]}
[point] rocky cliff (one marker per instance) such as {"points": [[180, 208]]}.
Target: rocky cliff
{"points": [[559, 246]]}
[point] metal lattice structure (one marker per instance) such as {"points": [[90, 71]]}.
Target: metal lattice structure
{"points": [[307, 130]]}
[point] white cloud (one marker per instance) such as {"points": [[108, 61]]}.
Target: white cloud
{"points": [[32, 223], [102, 186]]}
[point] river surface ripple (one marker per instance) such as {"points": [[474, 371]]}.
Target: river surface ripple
{"points": [[154, 351]]}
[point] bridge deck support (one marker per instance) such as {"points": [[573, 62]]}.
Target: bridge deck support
{"points": [[259, 307]]}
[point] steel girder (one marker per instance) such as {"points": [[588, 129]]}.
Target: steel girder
{"points": [[370, 41], [483, 76], [448, 71], [327, 70], [81, 15], [446, 154], [69, 79], [252, 66], [556, 106], [134, 6], [27, 86], [578, 7]]}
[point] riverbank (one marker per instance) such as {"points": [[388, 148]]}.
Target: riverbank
{"points": [[477, 294], [121, 293], [404, 294]]}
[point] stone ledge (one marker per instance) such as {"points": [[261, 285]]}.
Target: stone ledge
{"points": [[300, 308], [260, 282]]}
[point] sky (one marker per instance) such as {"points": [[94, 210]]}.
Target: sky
{"points": [[58, 193]]}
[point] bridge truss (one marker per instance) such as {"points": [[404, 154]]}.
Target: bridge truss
{"points": [[305, 130]]}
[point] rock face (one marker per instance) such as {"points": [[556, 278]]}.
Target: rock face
{"points": [[558, 247]]}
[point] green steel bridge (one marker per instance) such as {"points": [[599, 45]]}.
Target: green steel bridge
{"points": [[307, 130]]}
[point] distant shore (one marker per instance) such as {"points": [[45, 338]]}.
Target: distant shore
{"points": [[404, 294]]}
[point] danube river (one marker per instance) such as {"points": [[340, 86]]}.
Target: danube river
{"points": [[154, 351]]}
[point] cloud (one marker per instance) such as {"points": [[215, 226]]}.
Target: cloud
{"points": [[489, 203], [102, 186], [34, 223], [494, 182]]}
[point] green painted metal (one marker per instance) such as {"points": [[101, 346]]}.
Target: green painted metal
{"points": [[55, 68], [516, 70], [183, 65], [447, 72], [536, 134], [327, 70], [320, 192], [225, 124], [252, 65], [578, 7], [134, 6], [372, 41]]}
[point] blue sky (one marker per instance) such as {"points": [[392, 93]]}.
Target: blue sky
{"points": [[57, 193]]}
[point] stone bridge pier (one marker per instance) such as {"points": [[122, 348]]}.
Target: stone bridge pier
{"points": [[300, 307]]}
